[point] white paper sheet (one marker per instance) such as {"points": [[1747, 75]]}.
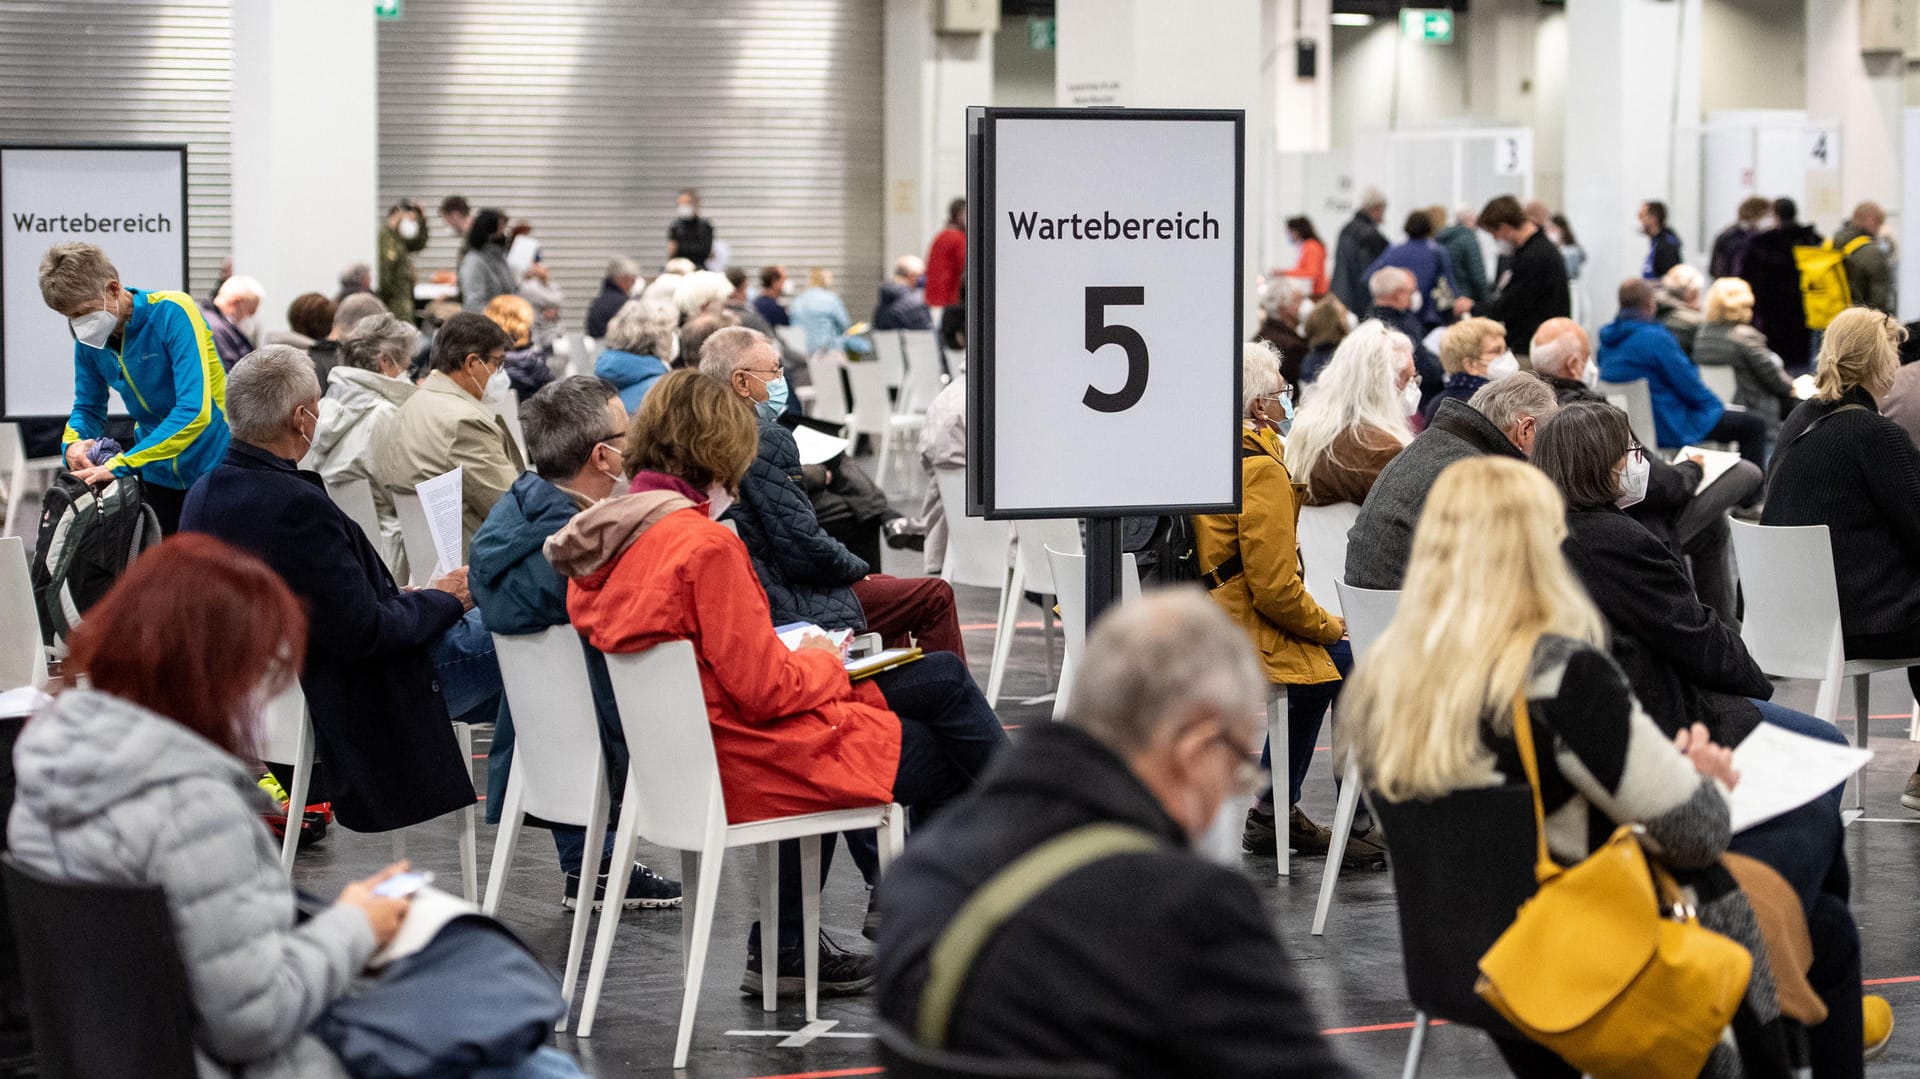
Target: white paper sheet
{"points": [[440, 501], [1781, 771], [428, 913], [1713, 463], [817, 447], [793, 633]]}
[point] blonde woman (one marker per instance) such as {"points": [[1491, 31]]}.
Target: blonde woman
{"points": [[526, 364], [1490, 612], [1841, 464], [1355, 422], [1727, 339], [1474, 352]]}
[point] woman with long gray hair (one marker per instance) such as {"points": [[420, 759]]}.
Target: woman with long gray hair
{"points": [[364, 392]]}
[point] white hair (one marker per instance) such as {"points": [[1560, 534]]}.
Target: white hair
{"points": [[1505, 401], [622, 266], [909, 267], [1388, 280], [1372, 197], [1158, 660], [1284, 292], [643, 327], [238, 287], [1683, 280], [1259, 373], [1356, 389], [1556, 357], [264, 388], [663, 287], [701, 290]]}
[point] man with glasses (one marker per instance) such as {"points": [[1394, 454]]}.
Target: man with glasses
{"points": [[447, 423], [574, 429], [1127, 943]]}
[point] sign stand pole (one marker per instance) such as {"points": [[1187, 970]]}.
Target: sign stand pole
{"points": [[1103, 566]]}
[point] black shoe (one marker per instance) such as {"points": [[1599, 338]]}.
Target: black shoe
{"points": [[645, 888], [870, 927], [842, 973], [1259, 836], [901, 535], [1366, 850]]}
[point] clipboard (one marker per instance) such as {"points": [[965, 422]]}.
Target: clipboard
{"points": [[858, 669]]}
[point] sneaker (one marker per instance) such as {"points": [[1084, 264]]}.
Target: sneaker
{"points": [[842, 973], [901, 535], [1259, 835], [1306, 836], [645, 888], [1366, 850], [1911, 799], [1876, 1017]]}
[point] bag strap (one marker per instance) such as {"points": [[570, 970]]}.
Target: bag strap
{"points": [[1544, 866], [1853, 245], [1004, 893], [1234, 566], [1818, 420]]}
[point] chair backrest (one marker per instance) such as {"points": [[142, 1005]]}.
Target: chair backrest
{"points": [[1792, 618], [1368, 611], [1323, 549], [976, 547], [892, 355], [1719, 378], [1633, 399], [103, 977], [590, 348], [556, 734], [13, 453], [280, 727], [673, 778], [926, 370], [1462, 865], [1031, 540], [829, 396], [906, 1059], [508, 409], [792, 337], [354, 496], [415, 536], [1070, 588], [872, 411], [23, 656]]}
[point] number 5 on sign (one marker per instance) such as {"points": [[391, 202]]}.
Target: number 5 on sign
{"points": [[1101, 333]]}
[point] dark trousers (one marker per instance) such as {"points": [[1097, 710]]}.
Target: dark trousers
{"points": [[1306, 712], [948, 737], [919, 606], [167, 502], [1703, 535], [1745, 430]]}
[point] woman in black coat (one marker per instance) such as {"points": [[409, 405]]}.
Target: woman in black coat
{"points": [[1839, 463]]}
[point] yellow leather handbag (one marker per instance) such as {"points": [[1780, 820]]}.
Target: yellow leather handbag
{"points": [[1605, 965]]}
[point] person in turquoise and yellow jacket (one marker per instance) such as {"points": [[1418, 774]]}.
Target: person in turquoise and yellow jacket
{"points": [[154, 350]]}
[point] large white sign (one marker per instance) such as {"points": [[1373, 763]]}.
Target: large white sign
{"points": [[1108, 349], [129, 200]]}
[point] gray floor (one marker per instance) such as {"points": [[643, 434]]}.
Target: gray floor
{"points": [[1353, 973]]}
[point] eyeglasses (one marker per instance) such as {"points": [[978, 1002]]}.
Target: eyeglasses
{"points": [[1246, 772], [1637, 452], [1277, 400], [609, 441], [765, 376]]}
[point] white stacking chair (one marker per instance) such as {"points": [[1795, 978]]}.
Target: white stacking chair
{"points": [[791, 337], [415, 537], [354, 496], [673, 797], [16, 466], [892, 355], [508, 409], [1029, 572], [1633, 399], [1368, 613], [288, 739], [559, 769], [926, 370], [23, 657], [590, 349], [1792, 626], [976, 547], [874, 417], [1719, 378], [1070, 588], [1323, 549], [829, 395]]}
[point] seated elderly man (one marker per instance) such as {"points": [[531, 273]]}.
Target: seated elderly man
{"points": [[810, 576], [1693, 526], [1677, 304], [1182, 976], [1501, 420], [902, 305], [1280, 326], [573, 429], [385, 669], [447, 425], [230, 317]]}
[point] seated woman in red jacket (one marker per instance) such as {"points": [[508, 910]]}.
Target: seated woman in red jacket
{"points": [[792, 734]]}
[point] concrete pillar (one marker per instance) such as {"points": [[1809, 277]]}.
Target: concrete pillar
{"points": [[1864, 94], [305, 202], [1633, 73], [931, 79]]}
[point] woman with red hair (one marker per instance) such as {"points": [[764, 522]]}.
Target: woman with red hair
{"points": [[147, 778]]}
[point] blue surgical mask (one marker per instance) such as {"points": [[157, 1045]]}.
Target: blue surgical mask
{"points": [[776, 402]]}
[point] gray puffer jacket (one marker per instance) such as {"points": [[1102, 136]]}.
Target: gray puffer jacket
{"points": [[109, 792]]}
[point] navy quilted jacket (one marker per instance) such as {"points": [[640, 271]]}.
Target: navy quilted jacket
{"points": [[807, 574]]}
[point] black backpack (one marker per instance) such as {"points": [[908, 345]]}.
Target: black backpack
{"points": [[87, 539], [1163, 547]]}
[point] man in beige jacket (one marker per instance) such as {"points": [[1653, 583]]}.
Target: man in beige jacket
{"points": [[446, 425]]}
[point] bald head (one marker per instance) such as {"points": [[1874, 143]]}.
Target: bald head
{"points": [[1560, 348], [1868, 217]]}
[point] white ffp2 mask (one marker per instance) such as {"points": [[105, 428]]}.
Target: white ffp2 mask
{"points": [[95, 328]]}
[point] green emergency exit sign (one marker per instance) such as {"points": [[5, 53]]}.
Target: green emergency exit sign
{"points": [[386, 9], [1432, 25]]}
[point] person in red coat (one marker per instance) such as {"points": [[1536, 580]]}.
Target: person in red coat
{"points": [[947, 276], [792, 734]]}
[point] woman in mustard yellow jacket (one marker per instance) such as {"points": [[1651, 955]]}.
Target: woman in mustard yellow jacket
{"points": [[1250, 564]]}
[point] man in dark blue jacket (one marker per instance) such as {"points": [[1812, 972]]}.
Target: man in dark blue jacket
{"points": [[615, 288], [902, 305], [573, 429], [386, 670]]}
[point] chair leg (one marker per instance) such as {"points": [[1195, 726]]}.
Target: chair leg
{"points": [[697, 955], [626, 838], [469, 823], [770, 926], [1281, 773], [1062, 697], [297, 797], [1861, 735], [1337, 843], [1003, 639], [893, 836], [506, 841], [1913, 725], [1416, 1046], [1046, 632], [809, 921], [583, 910]]}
